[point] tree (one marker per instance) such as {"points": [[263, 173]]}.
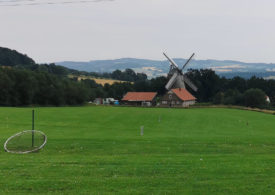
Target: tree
{"points": [[219, 98], [254, 98], [158, 85], [10, 57], [117, 74], [237, 83], [25, 86], [5, 88], [233, 97], [208, 83], [141, 77], [142, 86], [130, 75]]}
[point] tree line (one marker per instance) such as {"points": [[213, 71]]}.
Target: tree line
{"points": [[24, 87], [235, 91], [125, 75], [20, 87]]}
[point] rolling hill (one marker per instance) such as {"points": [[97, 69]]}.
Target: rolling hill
{"points": [[153, 68], [10, 57]]}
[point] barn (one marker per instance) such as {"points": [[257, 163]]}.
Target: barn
{"points": [[140, 98], [178, 97]]}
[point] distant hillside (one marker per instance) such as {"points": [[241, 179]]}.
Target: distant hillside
{"points": [[154, 68], [10, 57]]}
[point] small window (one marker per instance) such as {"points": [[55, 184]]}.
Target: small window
{"points": [[164, 102]]}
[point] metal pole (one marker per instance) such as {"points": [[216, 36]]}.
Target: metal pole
{"points": [[141, 130], [32, 128]]}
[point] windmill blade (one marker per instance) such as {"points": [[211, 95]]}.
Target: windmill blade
{"points": [[170, 83], [187, 62], [189, 83], [170, 60]]}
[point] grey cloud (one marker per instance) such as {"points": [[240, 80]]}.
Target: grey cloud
{"points": [[49, 2], [241, 30]]}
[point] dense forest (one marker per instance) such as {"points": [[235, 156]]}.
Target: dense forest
{"points": [[23, 82], [10, 57], [236, 91], [20, 87]]}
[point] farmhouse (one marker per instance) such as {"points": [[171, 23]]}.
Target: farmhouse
{"points": [[140, 98], [178, 97]]}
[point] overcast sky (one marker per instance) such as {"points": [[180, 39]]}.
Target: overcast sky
{"points": [[214, 29]]}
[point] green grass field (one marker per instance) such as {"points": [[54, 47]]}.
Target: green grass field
{"points": [[99, 150]]}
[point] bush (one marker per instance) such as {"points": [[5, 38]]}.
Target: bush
{"points": [[255, 98]]}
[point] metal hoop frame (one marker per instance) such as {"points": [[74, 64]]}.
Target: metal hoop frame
{"points": [[22, 132]]}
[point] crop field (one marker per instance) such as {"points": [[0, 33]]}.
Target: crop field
{"points": [[99, 150], [101, 81]]}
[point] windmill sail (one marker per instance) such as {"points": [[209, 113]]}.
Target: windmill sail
{"points": [[189, 83], [171, 81], [187, 61], [170, 60]]}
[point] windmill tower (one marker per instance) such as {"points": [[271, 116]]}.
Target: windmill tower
{"points": [[177, 79]]}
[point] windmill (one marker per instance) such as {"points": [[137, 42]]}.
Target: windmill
{"points": [[177, 79]]}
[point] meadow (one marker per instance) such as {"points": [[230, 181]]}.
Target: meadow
{"points": [[99, 150]]}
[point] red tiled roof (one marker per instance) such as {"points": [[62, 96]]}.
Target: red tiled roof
{"points": [[183, 94], [139, 96]]}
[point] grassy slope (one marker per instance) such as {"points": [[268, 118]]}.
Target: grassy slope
{"points": [[100, 150]]}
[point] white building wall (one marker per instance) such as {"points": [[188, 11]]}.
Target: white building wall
{"points": [[188, 103]]}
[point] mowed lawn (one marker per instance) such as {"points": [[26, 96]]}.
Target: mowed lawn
{"points": [[99, 150]]}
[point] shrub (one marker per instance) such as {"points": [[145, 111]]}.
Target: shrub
{"points": [[254, 98]]}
